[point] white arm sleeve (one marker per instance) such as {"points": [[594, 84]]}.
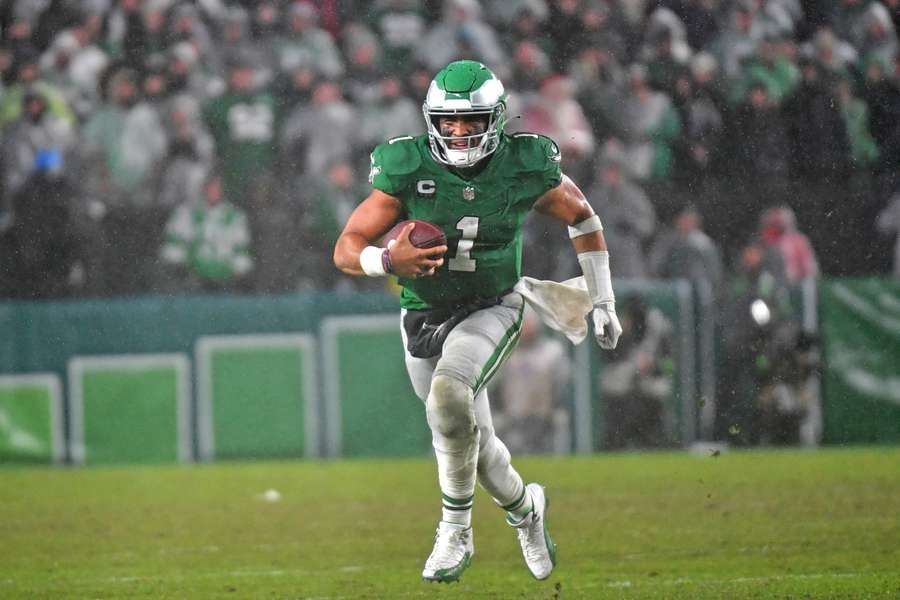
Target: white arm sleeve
{"points": [[595, 266]]}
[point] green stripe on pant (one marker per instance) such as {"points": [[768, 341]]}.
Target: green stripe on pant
{"points": [[501, 352]]}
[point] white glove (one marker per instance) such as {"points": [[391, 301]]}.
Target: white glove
{"points": [[595, 266], [606, 325]]}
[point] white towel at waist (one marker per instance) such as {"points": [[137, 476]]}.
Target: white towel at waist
{"points": [[562, 306]]}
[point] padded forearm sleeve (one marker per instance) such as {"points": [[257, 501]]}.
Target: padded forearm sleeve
{"points": [[595, 266]]}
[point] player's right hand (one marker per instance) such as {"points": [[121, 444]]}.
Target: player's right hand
{"points": [[410, 262]]}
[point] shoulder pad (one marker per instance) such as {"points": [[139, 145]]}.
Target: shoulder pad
{"points": [[534, 151], [397, 156]]}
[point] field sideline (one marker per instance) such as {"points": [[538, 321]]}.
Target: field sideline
{"points": [[750, 524]]}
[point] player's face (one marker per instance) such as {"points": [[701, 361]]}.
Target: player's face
{"points": [[460, 126]]}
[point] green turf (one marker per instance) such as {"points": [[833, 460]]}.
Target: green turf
{"points": [[762, 524]]}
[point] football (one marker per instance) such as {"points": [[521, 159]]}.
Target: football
{"points": [[424, 235]]}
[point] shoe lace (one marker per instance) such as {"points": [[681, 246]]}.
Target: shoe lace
{"points": [[450, 544]]}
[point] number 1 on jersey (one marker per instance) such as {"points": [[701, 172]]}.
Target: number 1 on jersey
{"points": [[462, 261]]}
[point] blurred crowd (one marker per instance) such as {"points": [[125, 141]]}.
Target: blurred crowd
{"points": [[165, 146], [196, 146]]}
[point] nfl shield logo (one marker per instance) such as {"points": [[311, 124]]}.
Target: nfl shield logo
{"points": [[468, 193]]}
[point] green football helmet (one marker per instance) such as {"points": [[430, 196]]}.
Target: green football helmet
{"points": [[465, 87]]}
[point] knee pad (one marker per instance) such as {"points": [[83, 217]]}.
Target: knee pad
{"points": [[450, 408]]}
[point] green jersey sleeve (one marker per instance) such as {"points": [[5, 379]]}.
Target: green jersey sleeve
{"points": [[538, 158], [394, 164]]}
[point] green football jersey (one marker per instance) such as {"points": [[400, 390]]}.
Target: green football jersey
{"points": [[244, 128], [482, 216]]}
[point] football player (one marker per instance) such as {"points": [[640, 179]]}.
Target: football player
{"points": [[460, 315]]}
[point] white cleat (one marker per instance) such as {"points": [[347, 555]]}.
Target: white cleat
{"points": [[453, 551], [537, 547]]}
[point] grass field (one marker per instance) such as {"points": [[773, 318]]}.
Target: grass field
{"points": [[761, 524]]}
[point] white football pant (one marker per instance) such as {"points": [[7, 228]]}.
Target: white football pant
{"points": [[452, 386]]}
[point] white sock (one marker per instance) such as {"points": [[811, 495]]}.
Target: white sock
{"points": [[456, 473], [456, 440], [457, 510], [519, 509], [498, 477]]}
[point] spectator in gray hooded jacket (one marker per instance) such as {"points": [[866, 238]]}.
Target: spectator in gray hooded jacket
{"points": [[124, 149], [320, 133], [389, 115], [628, 216], [686, 252], [461, 32], [190, 156], [34, 130], [305, 44], [124, 144]]}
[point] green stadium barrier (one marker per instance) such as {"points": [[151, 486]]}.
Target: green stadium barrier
{"points": [[43, 336], [257, 396], [370, 406], [31, 426], [130, 409], [861, 355], [675, 300]]}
